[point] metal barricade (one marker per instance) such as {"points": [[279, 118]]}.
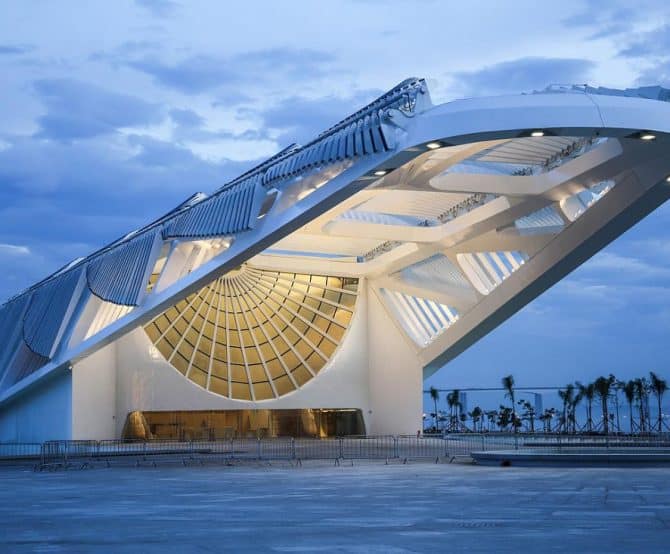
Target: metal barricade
{"points": [[427, 446], [318, 449], [280, 448], [401, 447], [367, 448]]}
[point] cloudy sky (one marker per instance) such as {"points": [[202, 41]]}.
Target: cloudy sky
{"points": [[113, 112]]}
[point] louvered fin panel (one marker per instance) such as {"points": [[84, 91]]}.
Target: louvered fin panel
{"points": [[526, 151], [437, 271], [10, 314], [120, 275], [547, 219], [366, 136], [230, 211], [486, 270], [422, 319], [47, 312], [107, 315], [24, 363], [378, 218], [363, 133], [574, 206]]}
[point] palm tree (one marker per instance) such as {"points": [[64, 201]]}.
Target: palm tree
{"points": [[640, 396], [529, 413], [629, 393], [602, 386], [573, 410], [476, 416], [659, 387], [567, 396], [435, 396], [454, 402], [491, 416], [508, 385], [588, 392], [616, 387], [505, 417], [548, 416]]}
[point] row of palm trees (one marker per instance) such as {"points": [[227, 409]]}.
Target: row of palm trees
{"points": [[604, 391], [638, 394]]}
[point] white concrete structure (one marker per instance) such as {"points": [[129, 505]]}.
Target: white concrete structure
{"points": [[337, 275]]}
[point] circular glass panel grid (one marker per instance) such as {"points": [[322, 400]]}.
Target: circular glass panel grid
{"points": [[255, 334]]}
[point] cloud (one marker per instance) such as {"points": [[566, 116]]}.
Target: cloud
{"points": [[604, 18], [62, 200], [615, 267], [654, 43], [292, 119], [118, 55], [301, 119], [200, 73], [189, 132], [656, 75], [656, 247], [14, 250], [524, 74], [186, 118], [650, 52], [160, 8], [15, 49], [158, 153], [78, 110]]}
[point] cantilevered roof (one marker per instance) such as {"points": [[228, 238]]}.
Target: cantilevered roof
{"points": [[400, 145]]}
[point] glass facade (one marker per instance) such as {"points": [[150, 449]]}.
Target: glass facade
{"points": [[254, 334]]}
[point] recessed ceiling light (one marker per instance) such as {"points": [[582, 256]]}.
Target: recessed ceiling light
{"points": [[433, 145], [537, 134], [647, 136], [668, 178], [380, 172]]}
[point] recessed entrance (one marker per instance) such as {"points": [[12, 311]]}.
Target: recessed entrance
{"points": [[228, 424]]}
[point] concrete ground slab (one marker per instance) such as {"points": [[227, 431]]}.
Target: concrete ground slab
{"points": [[418, 507]]}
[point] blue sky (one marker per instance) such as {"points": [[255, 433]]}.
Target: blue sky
{"points": [[113, 112]]}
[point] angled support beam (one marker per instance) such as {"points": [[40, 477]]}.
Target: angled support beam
{"points": [[460, 298], [637, 194]]}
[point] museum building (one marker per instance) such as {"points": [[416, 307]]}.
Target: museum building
{"points": [[312, 295]]}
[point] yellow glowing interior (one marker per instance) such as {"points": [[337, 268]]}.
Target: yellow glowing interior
{"points": [[255, 334]]}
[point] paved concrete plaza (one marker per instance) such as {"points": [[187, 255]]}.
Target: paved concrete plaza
{"points": [[418, 507]]}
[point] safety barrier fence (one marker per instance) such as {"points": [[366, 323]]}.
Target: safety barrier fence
{"points": [[398, 447], [55, 453]]}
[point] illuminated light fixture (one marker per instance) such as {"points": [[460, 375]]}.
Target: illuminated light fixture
{"points": [[380, 173], [537, 133], [668, 178], [433, 145], [305, 193], [647, 136]]}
